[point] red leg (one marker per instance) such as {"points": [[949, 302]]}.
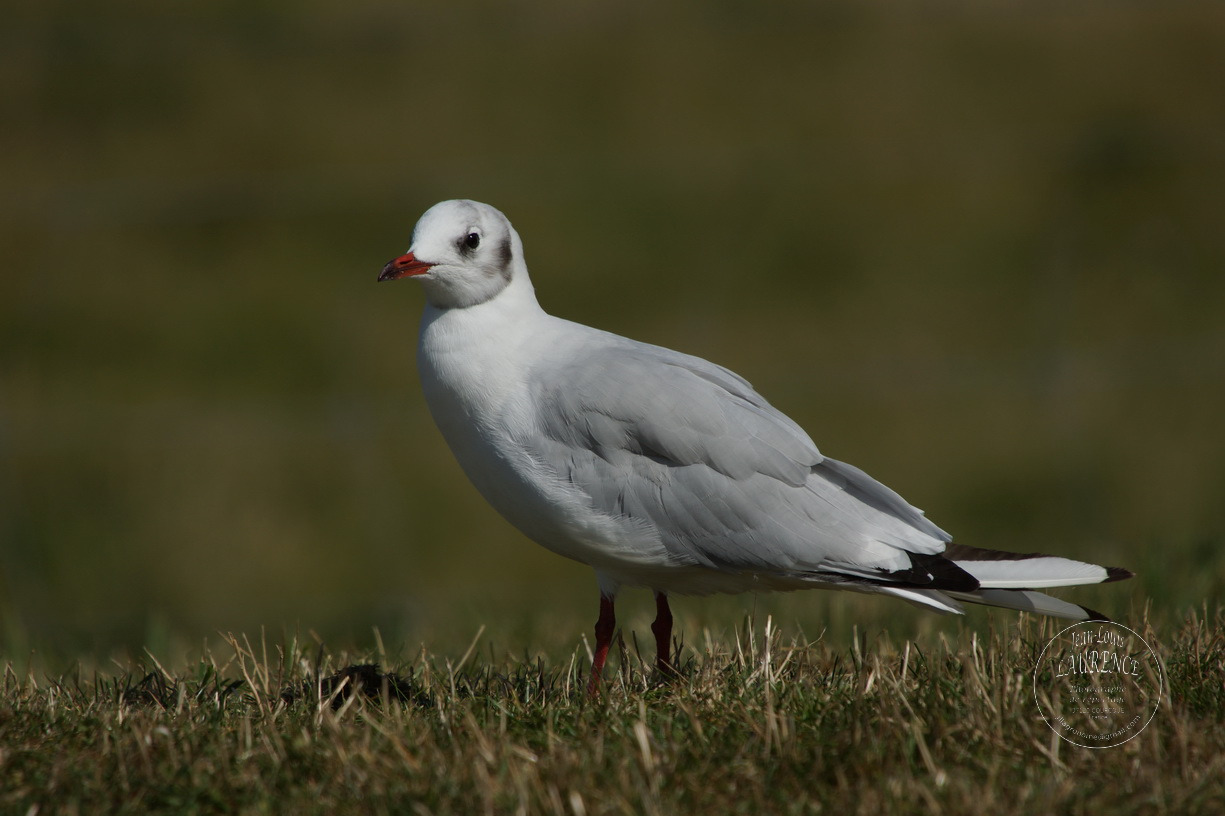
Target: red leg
{"points": [[604, 628], [662, 627]]}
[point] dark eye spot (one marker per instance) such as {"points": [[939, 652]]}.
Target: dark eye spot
{"points": [[472, 241]]}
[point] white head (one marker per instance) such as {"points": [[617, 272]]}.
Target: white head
{"points": [[463, 252]]}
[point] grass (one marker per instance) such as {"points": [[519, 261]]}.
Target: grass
{"points": [[753, 725]]}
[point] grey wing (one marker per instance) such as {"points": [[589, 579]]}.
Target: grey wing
{"points": [[725, 480]]}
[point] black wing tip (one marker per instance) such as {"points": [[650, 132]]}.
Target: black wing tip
{"points": [[1117, 574], [1094, 615], [938, 572]]}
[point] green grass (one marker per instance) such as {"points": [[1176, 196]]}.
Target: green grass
{"points": [[755, 724]]}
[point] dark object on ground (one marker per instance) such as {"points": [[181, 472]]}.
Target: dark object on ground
{"points": [[365, 679]]}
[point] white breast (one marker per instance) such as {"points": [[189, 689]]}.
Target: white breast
{"points": [[479, 393]]}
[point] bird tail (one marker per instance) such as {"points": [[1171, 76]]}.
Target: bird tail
{"points": [[1009, 580], [996, 569]]}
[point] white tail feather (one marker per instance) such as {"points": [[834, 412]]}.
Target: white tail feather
{"points": [[926, 598], [1033, 573], [944, 602], [1026, 602]]}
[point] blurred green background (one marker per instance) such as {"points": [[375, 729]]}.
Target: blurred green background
{"points": [[974, 248]]}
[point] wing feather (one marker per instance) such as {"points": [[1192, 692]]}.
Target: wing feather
{"points": [[725, 479]]}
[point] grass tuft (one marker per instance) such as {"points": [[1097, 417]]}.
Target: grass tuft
{"points": [[754, 724]]}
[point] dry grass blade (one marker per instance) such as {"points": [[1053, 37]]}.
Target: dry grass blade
{"points": [[765, 725]]}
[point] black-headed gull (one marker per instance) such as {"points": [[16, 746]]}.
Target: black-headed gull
{"points": [[663, 470]]}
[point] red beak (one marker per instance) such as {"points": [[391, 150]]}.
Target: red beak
{"points": [[403, 267]]}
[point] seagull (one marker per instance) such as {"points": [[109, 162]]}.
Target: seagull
{"points": [[662, 470]]}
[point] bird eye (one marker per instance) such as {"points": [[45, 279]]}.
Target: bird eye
{"points": [[472, 241]]}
